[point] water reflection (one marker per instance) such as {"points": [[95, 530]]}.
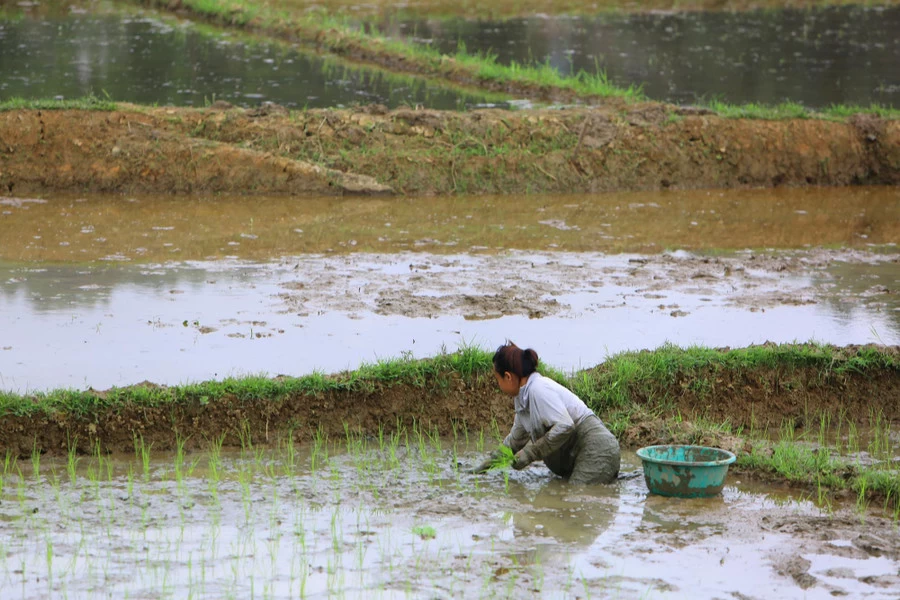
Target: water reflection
{"points": [[151, 61], [65, 228], [815, 57], [571, 515], [79, 326]]}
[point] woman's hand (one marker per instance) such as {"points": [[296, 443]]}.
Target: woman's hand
{"points": [[523, 459], [485, 466]]}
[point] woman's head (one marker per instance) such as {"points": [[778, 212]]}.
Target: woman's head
{"points": [[511, 365]]}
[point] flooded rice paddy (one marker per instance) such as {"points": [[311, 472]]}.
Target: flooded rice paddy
{"points": [[100, 291], [150, 60], [104, 291], [396, 517], [815, 57]]}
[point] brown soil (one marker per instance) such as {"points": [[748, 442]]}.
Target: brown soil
{"points": [[371, 150], [464, 405], [767, 398]]}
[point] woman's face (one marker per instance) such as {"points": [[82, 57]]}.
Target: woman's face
{"points": [[508, 383]]}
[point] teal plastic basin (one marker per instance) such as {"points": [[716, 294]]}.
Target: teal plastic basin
{"points": [[685, 471]]}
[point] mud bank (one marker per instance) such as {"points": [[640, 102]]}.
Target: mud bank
{"points": [[371, 150], [858, 381]]}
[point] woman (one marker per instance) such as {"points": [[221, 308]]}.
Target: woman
{"points": [[552, 424]]}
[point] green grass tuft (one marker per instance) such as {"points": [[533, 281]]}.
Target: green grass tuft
{"points": [[86, 103]]}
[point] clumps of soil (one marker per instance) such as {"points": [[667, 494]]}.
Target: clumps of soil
{"points": [[138, 151], [650, 431], [797, 568]]}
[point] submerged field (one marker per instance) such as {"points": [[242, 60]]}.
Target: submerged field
{"points": [[394, 517]]}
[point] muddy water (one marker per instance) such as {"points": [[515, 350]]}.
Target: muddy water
{"points": [[815, 57], [67, 228], [104, 291], [146, 60], [399, 520]]}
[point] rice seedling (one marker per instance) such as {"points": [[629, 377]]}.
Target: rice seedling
{"points": [[72, 460], [319, 456], [214, 464], [289, 452], [142, 450], [20, 487], [244, 477], [35, 461], [503, 459]]}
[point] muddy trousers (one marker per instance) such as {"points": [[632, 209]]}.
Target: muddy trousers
{"points": [[592, 456]]}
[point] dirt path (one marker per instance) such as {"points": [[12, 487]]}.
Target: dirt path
{"points": [[422, 152]]}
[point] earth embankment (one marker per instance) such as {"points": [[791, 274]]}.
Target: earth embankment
{"points": [[370, 149], [859, 383]]}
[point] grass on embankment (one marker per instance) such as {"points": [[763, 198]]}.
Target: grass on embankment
{"points": [[786, 110], [335, 35], [540, 82], [85, 103], [673, 395], [792, 110]]}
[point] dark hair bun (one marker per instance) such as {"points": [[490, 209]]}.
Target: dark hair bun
{"points": [[509, 358]]}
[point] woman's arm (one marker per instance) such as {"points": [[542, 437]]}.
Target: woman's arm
{"points": [[518, 436], [548, 407], [550, 442]]}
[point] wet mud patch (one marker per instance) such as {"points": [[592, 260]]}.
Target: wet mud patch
{"points": [[674, 283], [829, 541]]}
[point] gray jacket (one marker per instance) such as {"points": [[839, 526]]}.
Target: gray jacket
{"points": [[546, 415]]}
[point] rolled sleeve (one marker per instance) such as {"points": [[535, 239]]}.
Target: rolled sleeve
{"points": [[518, 435]]}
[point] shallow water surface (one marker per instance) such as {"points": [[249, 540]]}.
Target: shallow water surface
{"points": [[147, 60], [816, 57], [103, 291], [148, 229], [397, 519]]}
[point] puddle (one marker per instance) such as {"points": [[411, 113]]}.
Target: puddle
{"points": [[109, 291], [397, 519], [146, 60], [831, 55]]}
